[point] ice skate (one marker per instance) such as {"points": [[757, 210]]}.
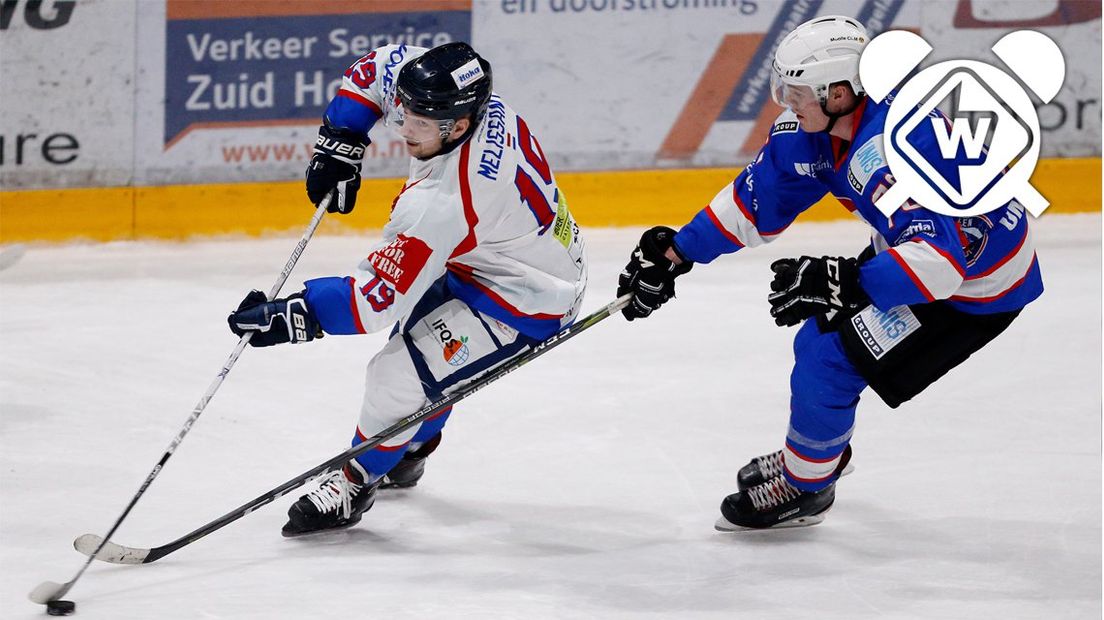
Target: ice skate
{"points": [[763, 468], [338, 502], [412, 466], [774, 504]]}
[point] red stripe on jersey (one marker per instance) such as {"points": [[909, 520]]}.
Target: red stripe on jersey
{"points": [[465, 273], [1004, 260], [1034, 259], [438, 414], [840, 150], [405, 187], [751, 216], [740, 203], [362, 438], [460, 269], [469, 242], [353, 306], [809, 459], [857, 120], [348, 94], [911, 274], [716, 222], [849, 204], [944, 254], [807, 480], [383, 448]]}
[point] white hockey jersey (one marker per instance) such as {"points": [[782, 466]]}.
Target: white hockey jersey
{"points": [[488, 216]]}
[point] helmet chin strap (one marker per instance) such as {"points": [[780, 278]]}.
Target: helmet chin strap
{"points": [[835, 116]]}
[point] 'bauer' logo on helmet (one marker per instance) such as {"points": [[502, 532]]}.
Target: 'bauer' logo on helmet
{"points": [[469, 73]]}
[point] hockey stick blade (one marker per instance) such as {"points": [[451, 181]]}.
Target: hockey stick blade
{"points": [[111, 552], [49, 591]]}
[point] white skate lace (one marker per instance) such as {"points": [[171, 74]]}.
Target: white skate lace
{"points": [[772, 493], [770, 465], [333, 493]]}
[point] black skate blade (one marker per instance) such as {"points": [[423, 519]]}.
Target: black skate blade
{"points": [[398, 485], [724, 525]]}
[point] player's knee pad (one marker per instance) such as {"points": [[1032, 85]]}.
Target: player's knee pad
{"points": [[822, 374], [392, 389], [806, 334]]}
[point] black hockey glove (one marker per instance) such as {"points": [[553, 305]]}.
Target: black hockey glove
{"points": [[335, 167], [274, 322], [826, 287], [650, 275]]}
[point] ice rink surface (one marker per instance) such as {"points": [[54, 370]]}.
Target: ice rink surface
{"points": [[582, 486]]}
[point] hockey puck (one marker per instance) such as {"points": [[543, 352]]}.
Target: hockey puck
{"points": [[61, 608]]}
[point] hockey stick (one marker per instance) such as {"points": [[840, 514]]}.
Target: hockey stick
{"points": [[49, 590], [95, 547]]}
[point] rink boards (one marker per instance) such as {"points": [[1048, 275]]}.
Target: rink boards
{"points": [[616, 198]]}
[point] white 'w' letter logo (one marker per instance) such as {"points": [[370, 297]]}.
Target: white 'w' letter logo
{"points": [[960, 134]]}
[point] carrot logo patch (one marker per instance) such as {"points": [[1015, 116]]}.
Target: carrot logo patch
{"points": [[456, 351]]}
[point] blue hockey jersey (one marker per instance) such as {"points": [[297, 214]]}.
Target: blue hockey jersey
{"points": [[981, 265]]}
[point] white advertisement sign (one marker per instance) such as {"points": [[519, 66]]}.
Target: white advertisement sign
{"points": [[117, 92], [67, 81]]}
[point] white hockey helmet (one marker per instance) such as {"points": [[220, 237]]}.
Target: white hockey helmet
{"points": [[818, 53]]}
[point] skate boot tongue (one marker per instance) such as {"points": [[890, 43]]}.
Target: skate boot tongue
{"points": [[335, 493], [338, 502], [759, 470]]}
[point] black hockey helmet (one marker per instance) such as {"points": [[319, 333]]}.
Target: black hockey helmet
{"points": [[448, 82]]}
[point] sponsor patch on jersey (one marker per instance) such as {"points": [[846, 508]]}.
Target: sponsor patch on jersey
{"points": [[811, 169], [866, 160], [564, 229], [451, 337], [916, 227], [785, 127], [399, 262], [454, 348], [468, 74], [975, 230], [881, 331]]}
